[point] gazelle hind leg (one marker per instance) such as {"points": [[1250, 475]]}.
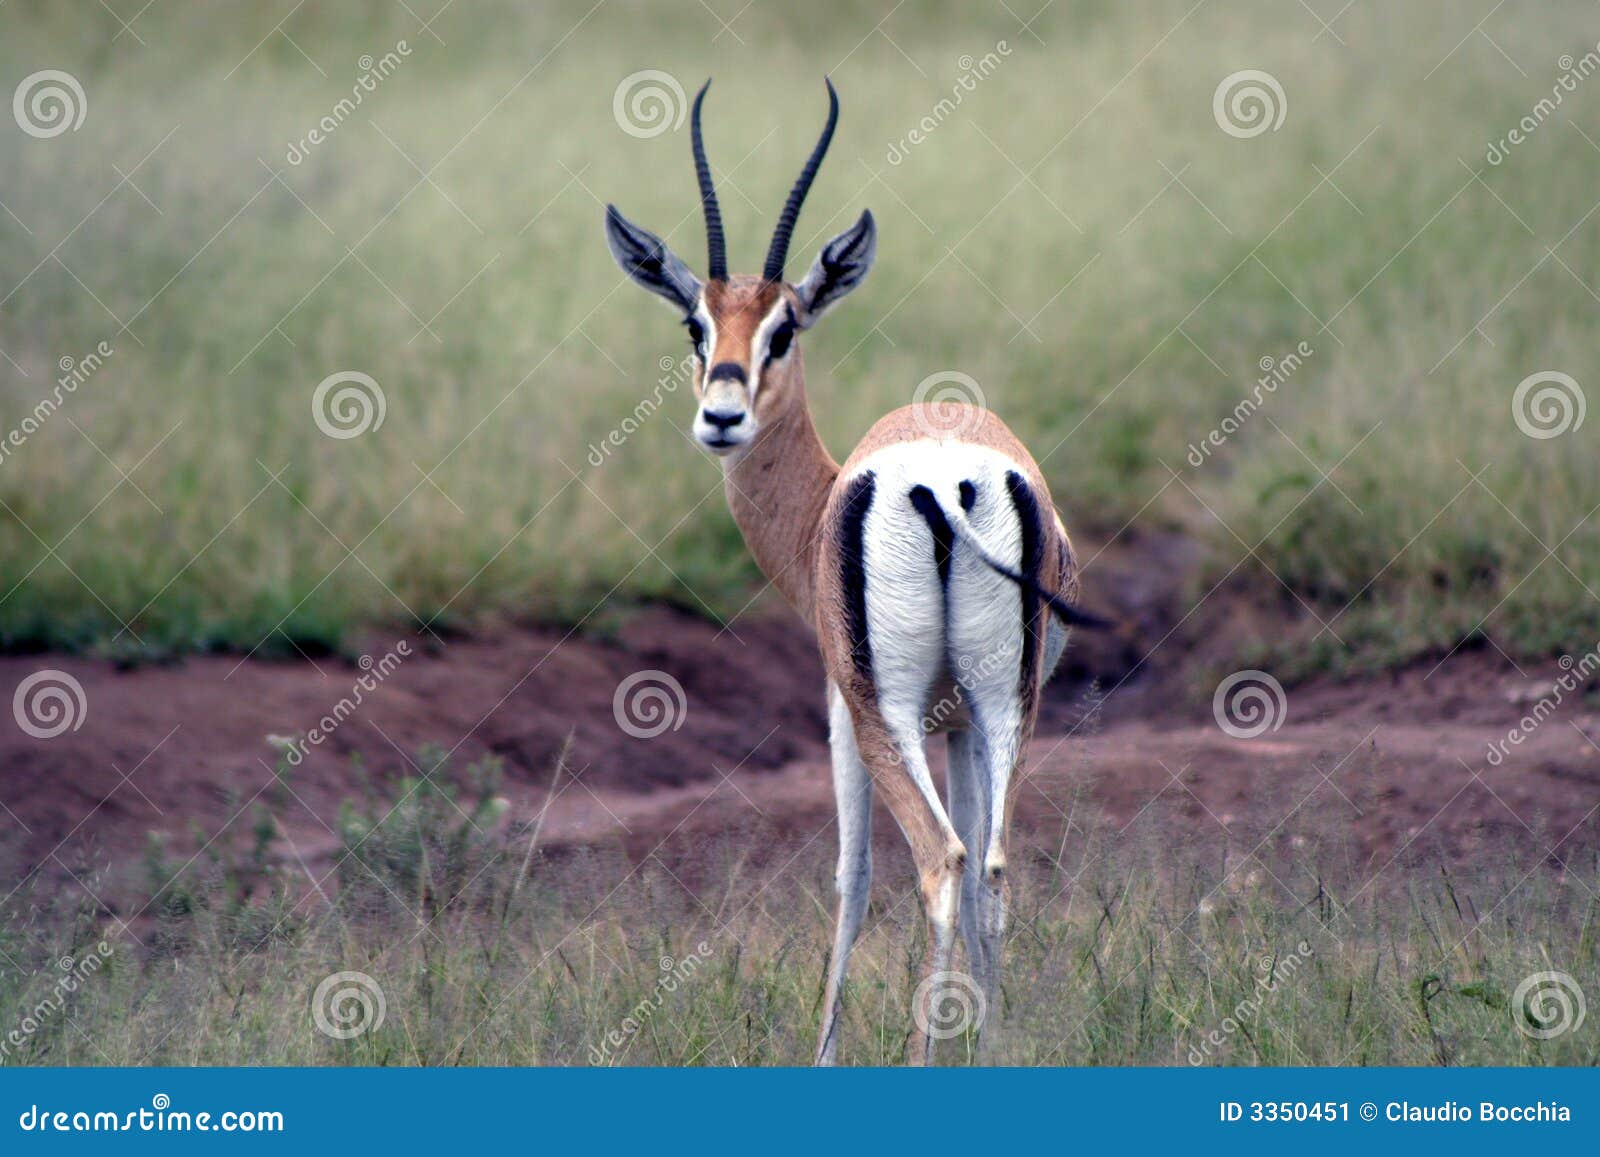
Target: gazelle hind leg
{"points": [[969, 811], [891, 746], [1003, 725], [1000, 726], [852, 789], [1002, 713]]}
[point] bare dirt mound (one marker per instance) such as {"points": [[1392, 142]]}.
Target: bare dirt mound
{"points": [[1382, 764]]}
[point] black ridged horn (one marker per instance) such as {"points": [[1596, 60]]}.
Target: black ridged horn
{"points": [[715, 242], [779, 249]]}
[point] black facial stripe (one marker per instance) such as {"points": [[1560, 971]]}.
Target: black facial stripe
{"points": [[853, 570], [731, 370], [969, 495], [1033, 625]]}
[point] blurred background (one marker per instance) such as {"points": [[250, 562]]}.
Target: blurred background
{"points": [[1075, 229]]}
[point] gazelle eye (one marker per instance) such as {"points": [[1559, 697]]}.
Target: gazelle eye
{"points": [[697, 335], [779, 345]]}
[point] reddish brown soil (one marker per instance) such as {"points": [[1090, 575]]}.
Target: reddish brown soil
{"points": [[1384, 765]]}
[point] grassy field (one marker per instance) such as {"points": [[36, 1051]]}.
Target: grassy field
{"points": [[1079, 235], [484, 951]]}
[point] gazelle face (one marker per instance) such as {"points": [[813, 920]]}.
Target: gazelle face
{"points": [[743, 333], [743, 329]]}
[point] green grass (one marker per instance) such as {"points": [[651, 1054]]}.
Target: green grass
{"points": [[245, 526], [489, 951]]}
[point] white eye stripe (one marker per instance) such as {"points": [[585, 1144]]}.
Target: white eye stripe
{"points": [[708, 329], [762, 341], [778, 315]]}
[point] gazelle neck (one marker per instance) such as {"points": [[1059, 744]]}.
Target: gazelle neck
{"points": [[777, 491]]}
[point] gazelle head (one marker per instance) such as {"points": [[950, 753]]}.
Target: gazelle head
{"points": [[743, 329]]}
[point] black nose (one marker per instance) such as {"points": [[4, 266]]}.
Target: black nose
{"points": [[722, 421]]}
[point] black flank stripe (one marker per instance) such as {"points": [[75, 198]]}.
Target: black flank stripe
{"points": [[1027, 507], [943, 537], [853, 569]]}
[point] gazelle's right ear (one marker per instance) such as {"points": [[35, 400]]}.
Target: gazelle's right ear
{"points": [[840, 267], [646, 258]]}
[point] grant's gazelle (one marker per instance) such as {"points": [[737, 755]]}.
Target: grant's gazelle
{"points": [[932, 565]]}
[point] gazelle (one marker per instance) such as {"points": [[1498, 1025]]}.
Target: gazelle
{"points": [[932, 566]]}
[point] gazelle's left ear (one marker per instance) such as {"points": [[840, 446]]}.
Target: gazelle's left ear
{"points": [[839, 268]]}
